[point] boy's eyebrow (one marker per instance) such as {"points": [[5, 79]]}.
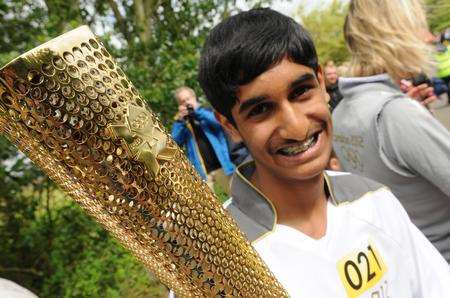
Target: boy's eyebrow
{"points": [[251, 102], [257, 99], [302, 78]]}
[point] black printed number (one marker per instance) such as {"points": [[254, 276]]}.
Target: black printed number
{"points": [[370, 275], [350, 265], [355, 285]]}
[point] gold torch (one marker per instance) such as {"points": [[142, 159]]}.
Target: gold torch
{"points": [[72, 111]]}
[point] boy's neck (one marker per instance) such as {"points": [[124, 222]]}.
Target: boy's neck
{"points": [[299, 204]]}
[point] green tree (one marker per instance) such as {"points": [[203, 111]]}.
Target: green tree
{"points": [[438, 13], [23, 192], [325, 23]]}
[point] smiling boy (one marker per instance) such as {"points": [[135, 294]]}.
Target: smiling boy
{"points": [[323, 234]]}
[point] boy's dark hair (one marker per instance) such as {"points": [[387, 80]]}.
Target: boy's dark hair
{"points": [[244, 46]]}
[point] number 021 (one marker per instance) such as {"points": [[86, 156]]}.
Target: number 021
{"points": [[361, 270]]}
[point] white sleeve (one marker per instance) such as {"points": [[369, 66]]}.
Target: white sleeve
{"points": [[432, 272], [429, 272]]}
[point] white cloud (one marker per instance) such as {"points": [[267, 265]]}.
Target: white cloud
{"points": [[290, 7]]}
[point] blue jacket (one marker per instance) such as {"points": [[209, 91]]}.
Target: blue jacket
{"points": [[215, 134]]}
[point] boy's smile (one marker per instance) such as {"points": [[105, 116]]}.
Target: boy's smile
{"points": [[283, 118]]}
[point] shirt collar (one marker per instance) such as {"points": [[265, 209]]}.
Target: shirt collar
{"points": [[251, 201]]}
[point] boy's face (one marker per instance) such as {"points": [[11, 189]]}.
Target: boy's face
{"points": [[283, 118]]}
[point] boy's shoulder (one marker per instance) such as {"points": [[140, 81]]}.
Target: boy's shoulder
{"points": [[364, 199], [344, 187]]}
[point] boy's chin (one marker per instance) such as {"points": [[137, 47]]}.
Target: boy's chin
{"points": [[302, 172]]}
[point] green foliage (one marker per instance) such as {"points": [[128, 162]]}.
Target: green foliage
{"points": [[22, 192], [325, 23], [69, 255], [85, 261], [438, 13], [220, 193]]}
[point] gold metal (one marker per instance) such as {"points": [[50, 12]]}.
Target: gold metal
{"points": [[145, 140], [73, 112]]}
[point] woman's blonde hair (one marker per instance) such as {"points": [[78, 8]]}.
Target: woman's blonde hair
{"points": [[387, 36]]}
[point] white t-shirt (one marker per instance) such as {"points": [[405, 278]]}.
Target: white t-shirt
{"points": [[370, 249]]}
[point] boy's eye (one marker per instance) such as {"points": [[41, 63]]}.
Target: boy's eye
{"points": [[300, 90], [259, 109]]}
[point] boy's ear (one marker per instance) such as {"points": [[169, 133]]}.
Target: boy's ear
{"points": [[321, 76], [228, 127], [321, 79]]}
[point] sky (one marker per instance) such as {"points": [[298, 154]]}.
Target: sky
{"points": [[289, 7]]}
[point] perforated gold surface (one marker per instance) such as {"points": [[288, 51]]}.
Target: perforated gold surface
{"points": [[69, 108]]}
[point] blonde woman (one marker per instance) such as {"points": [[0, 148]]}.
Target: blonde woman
{"points": [[379, 131]]}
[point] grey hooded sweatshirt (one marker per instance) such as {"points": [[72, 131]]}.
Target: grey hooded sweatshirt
{"points": [[382, 134]]}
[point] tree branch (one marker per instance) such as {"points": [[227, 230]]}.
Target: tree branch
{"points": [[47, 204], [121, 22], [141, 22], [22, 270]]}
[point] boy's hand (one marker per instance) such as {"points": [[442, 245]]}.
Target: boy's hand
{"points": [[422, 93]]}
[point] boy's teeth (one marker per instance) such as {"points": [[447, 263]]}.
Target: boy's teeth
{"points": [[298, 148]]}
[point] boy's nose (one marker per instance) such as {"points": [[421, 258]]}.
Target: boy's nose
{"points": [[293, 124]]}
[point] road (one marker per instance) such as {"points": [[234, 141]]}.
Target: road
{"points": [[443, 114]]}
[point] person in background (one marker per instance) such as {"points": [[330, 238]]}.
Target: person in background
{"points": [[443, 62], [443, 57], [439, 87], [239, 153], [382, 133], [331, 81], [197, 130]]}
